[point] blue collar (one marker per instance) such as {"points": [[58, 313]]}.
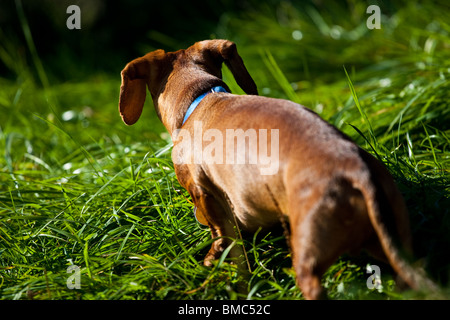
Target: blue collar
{"points": [[199, 99]]}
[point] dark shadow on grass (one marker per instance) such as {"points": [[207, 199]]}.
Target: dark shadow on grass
{"points": [[429, 209]]}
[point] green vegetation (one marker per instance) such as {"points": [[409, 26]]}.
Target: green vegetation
{"points": [[79, 187]]}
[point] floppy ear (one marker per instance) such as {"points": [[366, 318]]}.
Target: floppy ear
{"points": [[233, 60], [133, 89]]}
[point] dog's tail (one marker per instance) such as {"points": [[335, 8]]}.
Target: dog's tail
{"points": [[389, 218]]}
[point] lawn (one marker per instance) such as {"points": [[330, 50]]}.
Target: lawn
{"points": [[80, 190]]}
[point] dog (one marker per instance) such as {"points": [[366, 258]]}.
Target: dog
{"points": [[337, 198]]}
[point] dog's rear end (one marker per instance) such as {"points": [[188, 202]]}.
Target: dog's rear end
{"points": [[346, 211], [336, 196]]}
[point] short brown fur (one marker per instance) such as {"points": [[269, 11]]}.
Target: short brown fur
{"points": [[337, 197]]}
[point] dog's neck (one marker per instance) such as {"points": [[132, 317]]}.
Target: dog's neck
{"points": [[199, 99], [174, 101]]}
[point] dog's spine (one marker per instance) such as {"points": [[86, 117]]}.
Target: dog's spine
{"points": [[415, 278]]}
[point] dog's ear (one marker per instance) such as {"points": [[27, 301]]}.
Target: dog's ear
{"points": [[234, 62], [226, 51], [139, 73], [133, 89]]}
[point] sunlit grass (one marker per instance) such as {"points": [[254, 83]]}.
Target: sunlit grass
{"points": [[79, 187]]}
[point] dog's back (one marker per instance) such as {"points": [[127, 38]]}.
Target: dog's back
{"points": [[252, 160]]}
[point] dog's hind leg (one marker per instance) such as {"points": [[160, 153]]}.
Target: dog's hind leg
{"points": [[331, 220]]}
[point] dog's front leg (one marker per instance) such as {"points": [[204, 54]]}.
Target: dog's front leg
{"points": [[221, 223]]}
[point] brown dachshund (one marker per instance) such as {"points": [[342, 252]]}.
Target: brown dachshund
{"points": [[253, 161]]}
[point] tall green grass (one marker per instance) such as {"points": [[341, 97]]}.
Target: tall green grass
{"points": [[78, 187]]}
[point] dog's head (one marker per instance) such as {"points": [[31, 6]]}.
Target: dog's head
{"points": [[168, 74]]}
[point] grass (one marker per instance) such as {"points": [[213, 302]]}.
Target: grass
{"points": [[77, 187]]}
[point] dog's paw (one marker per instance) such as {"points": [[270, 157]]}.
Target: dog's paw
{"points": [[209, 259]]}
